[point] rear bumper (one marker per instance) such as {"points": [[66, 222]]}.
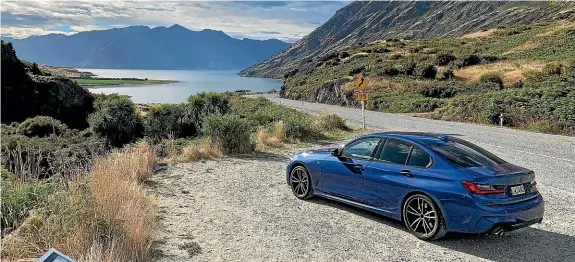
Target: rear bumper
{"points": [[483, 219]]}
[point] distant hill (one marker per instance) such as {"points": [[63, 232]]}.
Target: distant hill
{"points": [[366, 21], [141, 47]]}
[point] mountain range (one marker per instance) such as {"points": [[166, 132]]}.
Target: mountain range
{"points": [[142, 47], [366, 21]]}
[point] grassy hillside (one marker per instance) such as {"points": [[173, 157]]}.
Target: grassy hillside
{"points": [[525, 72]]}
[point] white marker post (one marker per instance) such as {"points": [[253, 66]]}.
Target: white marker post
{"points": [[363, 114]]}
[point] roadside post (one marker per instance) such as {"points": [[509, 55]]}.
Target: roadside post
{"points": [[362, 96]]}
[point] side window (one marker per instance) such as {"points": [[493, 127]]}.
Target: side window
{"points": [[395, 152], [360, 148], [418, 157]]}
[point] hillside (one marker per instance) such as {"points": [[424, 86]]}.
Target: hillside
{"points": [[364, 22], [140, 47], [526, 73]]}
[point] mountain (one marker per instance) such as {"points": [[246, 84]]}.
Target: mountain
{"points": [[141, 47], [361, 22]]}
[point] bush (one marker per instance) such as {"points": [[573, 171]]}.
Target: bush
{"points": [[170, 121], [438, 91], [407, 67], [329, 122], [426, 71], [492, 78], [469, 61], [19, 197], [299, 126], [41, 126], [39, 157], [356, 70], [231, 132], [448, 74], [116, 120], [553, 69], [204, 104], [444, 59]]}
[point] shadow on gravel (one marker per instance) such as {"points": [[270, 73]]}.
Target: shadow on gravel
{"points": [[360, 212], [258, 155], [528, 244]]}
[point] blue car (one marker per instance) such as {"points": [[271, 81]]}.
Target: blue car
{"points": [[433, 183]]}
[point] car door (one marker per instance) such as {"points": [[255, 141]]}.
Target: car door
{"points": [[391, 172], [343, 175]]}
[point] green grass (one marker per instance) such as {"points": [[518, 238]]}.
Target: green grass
{"points": [[111, 82]]}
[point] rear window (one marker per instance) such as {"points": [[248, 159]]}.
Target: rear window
{"points": [[464, 154]]}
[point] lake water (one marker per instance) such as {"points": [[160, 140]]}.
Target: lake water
{"points": [[190, 82]]}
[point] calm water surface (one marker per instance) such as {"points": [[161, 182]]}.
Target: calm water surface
{"points": [[191, 82]]}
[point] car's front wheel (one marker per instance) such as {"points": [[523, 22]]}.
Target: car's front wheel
{"points": [[423, 218], [300, 182]]}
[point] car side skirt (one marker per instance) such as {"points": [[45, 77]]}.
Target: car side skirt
{"points": [[360, 205]]}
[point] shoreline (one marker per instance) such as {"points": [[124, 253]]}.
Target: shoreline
{"points": [[158, 82]]}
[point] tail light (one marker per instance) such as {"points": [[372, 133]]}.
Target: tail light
{"points": [[482, 189], [533, 186]]}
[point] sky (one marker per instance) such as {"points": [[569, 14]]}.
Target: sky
{"points": [[284, 20]]}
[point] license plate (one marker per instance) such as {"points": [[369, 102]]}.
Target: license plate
{"points": [[517, 190]]}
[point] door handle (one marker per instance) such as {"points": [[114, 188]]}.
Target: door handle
{"points": [[406, 173], [358, 167]]}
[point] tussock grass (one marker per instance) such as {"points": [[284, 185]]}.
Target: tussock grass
{"points": [[105, 216], [205, 149], [329, 122], [276, 138]]}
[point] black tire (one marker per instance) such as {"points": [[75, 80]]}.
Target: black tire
{"points": [[300, 183], [427, 228]]}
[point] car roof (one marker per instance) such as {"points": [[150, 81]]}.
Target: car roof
{"points": [[421, 137]]}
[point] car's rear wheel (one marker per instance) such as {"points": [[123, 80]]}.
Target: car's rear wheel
{"points": [[423, 218], [300, 182]]}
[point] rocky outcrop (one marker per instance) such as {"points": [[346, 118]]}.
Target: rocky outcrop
{"points": [[362, 22], [332, 93], [26, 92]]}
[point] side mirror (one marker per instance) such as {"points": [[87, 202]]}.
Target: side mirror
{"points": [[337, 152]]}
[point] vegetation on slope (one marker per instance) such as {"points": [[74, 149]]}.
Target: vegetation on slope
{"points": [[525, 73]]}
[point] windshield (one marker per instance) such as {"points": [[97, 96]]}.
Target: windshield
{"points": [[464, 154]]}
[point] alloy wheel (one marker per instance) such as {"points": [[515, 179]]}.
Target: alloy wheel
{"points": [[299, 182], [421, 216]]}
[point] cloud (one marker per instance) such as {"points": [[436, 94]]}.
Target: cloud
{"points": [[288, 20]]}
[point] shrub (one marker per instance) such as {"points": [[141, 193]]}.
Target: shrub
{"points": [[447, 74], [170, 120], [329, 122], [387, 71], [439, 91], [444, 59], [426, 71], [553, 69], [343, 54], [41, 126], [291, 73], [356, 70], [469, 61], [204, 104], [492, 78], [407, 67], [19, 197], [116, 120], [231, 132], [299, 126], [39, 157]]}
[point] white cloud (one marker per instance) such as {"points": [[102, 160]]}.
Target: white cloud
{"points": [[287, 20]]}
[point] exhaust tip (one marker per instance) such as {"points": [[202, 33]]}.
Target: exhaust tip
{"points": [[498, 231]]}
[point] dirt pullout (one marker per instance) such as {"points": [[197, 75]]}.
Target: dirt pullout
{"points": [[240, 209]]}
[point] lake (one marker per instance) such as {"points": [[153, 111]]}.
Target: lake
{"points": [[190, 82]]}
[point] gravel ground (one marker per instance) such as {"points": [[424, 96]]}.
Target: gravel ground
{"points": [[240, 209]]}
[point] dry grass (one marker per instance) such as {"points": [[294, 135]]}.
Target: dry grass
{"points": [[205, 149], [558, 26], [272, 139], [480, 34], [105, 216], [510, 72], [522, 48], [329, 122]]}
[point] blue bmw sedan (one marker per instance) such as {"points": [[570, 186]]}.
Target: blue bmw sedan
{"points": [[433, 183]]}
